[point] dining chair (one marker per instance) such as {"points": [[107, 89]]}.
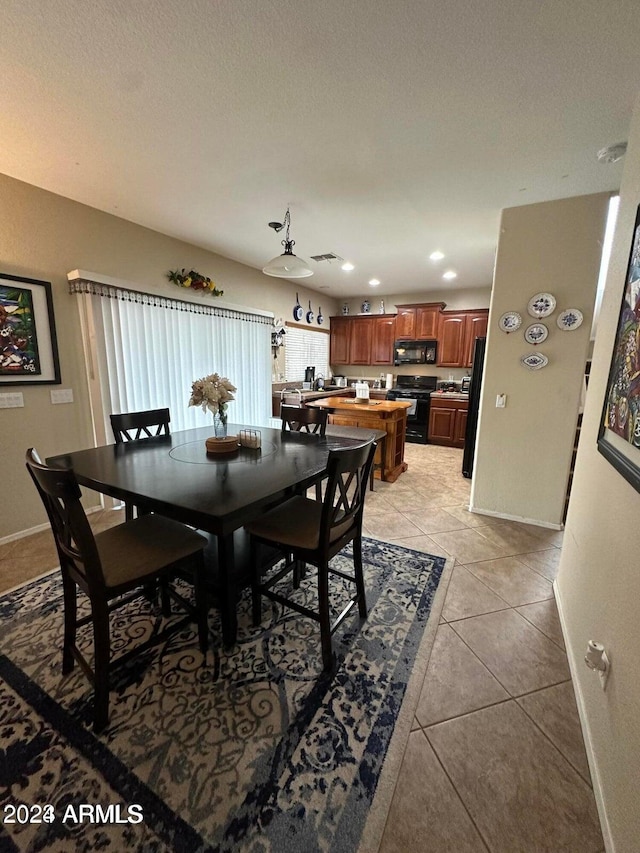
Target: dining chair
{"points": [[138, 426], [309, 420], [111, 568], [309, 531]]}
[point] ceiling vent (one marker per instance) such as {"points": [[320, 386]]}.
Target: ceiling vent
{"points": [[328, 256]]}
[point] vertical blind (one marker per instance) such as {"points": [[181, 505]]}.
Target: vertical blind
{"points": [[151, 349], [305, 348]]}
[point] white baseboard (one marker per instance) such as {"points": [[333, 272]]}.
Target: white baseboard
{"points": [[519, 518], [582, 713], [21, 534]]}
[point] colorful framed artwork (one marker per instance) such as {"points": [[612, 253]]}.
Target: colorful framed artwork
{"points": [[28, 343], [619, 434]]}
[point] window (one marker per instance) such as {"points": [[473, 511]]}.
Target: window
{"points": [[305, 348], [150, 349]]}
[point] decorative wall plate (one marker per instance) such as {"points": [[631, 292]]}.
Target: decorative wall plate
{"points": [[570, 319], [534, 361], [541, 305], [510, 322], [536, 333]]}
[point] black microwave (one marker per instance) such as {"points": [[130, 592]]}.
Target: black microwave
{"points": [[415, 352]]}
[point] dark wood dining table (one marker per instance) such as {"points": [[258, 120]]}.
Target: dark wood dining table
{"points": [[175, 476]]}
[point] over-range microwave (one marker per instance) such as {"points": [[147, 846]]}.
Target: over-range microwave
{"points": [[415, 352]]}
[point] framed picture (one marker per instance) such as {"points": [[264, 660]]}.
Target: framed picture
{"points": [[28, 343], [619, 434]]}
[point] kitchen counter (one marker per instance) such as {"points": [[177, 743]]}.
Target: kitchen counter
{"points": [[449, 395], [390, 416]]}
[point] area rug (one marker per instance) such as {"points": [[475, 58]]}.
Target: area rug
{"points": [[251, 749]]}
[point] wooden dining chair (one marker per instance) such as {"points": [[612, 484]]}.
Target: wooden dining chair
{"points": [[308, 531], [139, 426], [112, 568], [309, 420]]}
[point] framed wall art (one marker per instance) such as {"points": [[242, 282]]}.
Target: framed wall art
{"points": [[619, 434], [28, 343]]}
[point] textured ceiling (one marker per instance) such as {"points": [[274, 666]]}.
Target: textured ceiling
{"points": [[391, 128]]}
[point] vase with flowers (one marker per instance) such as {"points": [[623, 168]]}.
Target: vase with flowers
{"points": [[213, 393]]}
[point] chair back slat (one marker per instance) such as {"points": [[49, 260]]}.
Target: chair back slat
{"points": [[75, 542], [296, 419], [136, 426], [348, 476]]}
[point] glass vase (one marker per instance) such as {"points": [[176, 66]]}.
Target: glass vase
{"points": [[220, 425]]}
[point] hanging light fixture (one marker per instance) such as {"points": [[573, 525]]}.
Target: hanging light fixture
{"points": [[286, 265]]}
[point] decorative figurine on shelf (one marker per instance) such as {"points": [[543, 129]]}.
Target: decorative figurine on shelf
{"points": [[366, 307], [382, 306], [345, 308]]}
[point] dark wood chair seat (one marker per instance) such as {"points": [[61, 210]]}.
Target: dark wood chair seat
{"points": [[112, 568], [310, 531]]}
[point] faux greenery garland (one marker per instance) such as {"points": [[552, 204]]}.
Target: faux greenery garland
{"points": [[194, 280]]}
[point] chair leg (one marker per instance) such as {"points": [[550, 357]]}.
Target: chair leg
{"points": [[201, 604], [256, 595], [359, 576], [325, 621], [101, 646], [70, 623], [165, 601]]}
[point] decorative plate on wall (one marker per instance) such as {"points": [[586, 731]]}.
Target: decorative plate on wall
{"points": [[510, 322], [541, 305], [534, 361], [536, 333], [570, 319]]}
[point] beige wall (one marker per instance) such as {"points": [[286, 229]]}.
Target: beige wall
{"points": [[524, 450], [45, 236], [598, 586]]}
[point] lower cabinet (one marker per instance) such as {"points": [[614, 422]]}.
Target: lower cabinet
{"points": [[448, 421]]}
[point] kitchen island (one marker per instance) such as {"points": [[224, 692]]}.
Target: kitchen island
{"points": [[387, 415]]}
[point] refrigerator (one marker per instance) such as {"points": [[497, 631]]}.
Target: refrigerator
{"points": [[468, 453]]}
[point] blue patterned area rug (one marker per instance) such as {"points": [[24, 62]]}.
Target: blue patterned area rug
{"points": [[252, 749]]}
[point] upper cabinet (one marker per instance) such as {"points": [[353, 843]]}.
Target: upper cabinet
{"points": [[457, 332], [340, 340], [362, 340], [384, 335], [418, 322]]}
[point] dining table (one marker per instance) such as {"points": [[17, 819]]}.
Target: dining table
{"points": [[175, 476]]}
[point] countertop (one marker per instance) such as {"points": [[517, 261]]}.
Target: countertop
{"points": [[449, 395], [349, 404], [292, 396]]}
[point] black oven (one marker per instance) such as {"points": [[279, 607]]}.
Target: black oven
{"points": [[415, 352], [417, 391]]}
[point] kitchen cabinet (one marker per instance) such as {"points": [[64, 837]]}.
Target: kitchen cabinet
{"points": [[362, 340], [447, 421], [418, 322], [457, 332]]}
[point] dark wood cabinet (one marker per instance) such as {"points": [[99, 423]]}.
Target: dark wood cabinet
{"points": [[340, 339], [360, 340], [384, 335], [418, 322], [447, 421], [427, 321], [457, 332], [405, 323]]}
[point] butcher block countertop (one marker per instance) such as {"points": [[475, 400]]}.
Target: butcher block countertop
{"points": [[349, 404]]}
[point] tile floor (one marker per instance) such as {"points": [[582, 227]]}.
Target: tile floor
{"points": [[495, 762]]}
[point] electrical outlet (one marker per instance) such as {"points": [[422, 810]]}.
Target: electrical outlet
{"points": [[13, 400], [501, 401], [62, 395]]}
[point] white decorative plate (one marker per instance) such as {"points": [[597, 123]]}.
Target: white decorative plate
{"points": [[541, 305], [536, 333], [534, 361], [570, 319], [510, 322]]}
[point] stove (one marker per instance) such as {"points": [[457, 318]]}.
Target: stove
{"points": [[417, 390]]}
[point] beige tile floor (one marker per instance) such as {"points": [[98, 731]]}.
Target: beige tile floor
{"points": [[495, 762]]}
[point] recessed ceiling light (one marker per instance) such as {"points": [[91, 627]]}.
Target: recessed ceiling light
{"points": [[374, 282], [347, 267], [449, 274], [436, 256]]}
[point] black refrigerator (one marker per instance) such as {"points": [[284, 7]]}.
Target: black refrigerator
{"points": [[469, 451]]}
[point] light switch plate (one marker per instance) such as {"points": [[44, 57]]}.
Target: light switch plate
{"points": [[11, 400], [62, 395], [501, 401]]}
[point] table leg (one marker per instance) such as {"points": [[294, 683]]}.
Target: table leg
{"points": [[228, 592]]}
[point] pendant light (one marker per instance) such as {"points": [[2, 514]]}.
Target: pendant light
{"points": [[286, 265]]}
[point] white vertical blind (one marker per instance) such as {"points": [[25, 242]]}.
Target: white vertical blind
{"points": [[151, 350], [305, 348]]}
